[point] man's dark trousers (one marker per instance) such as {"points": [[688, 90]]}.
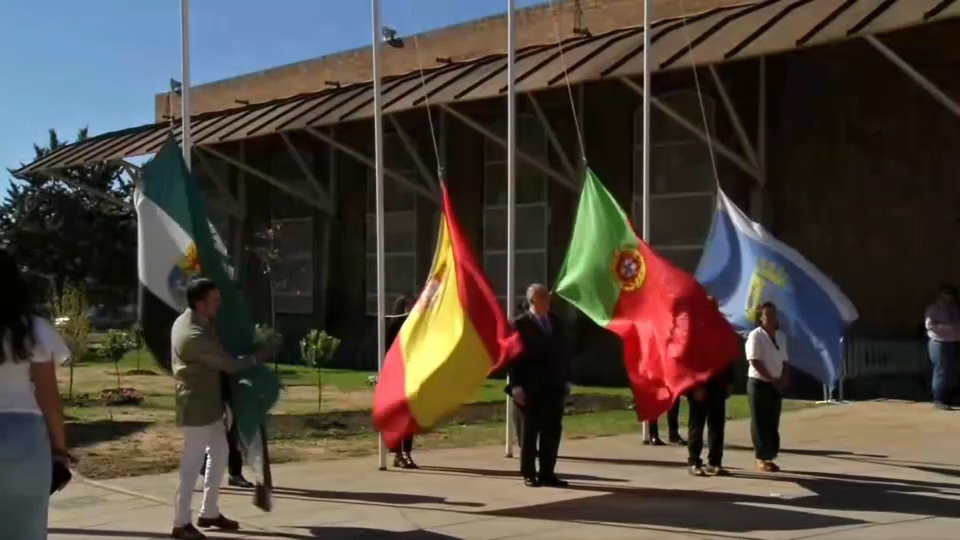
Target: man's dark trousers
{"points": [[709, 412], [673, 423], [542, 430]]}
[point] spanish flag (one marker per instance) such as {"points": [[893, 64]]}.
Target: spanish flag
{"points": [[455, 336]]}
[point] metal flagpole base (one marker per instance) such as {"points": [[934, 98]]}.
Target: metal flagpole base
{"points": [[828, 397], [508, 424]]}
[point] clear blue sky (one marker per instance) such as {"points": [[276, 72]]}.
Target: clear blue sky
{"points": [[65, 64]]}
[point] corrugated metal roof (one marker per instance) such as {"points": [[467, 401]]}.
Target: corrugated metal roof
{"points": [[761, 27]]}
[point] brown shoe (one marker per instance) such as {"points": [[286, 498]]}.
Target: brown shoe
{"points": [[187, 532], [715, 470], [767, 466], [219, 522]]}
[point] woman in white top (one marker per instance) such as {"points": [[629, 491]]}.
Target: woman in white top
{"points": [[767, 354], [31, 417]]}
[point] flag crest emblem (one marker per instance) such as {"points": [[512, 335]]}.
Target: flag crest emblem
{"points": [[629, 269], [187, 268]]}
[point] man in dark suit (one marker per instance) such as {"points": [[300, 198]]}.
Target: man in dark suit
{"points": [[673, 428], [708, 407], [539, 383]]}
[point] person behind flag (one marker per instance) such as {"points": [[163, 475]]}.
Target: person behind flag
{"points": [[235, 455], [177, 244], [766, 350], [455, 336], [673, 428], [708, 408], [942, 322], [673, 337], [744, 265], [539, 384], [198, 359], [401, 308]]}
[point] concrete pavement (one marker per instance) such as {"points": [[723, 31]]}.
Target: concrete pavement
{"points": [[851, 471]]}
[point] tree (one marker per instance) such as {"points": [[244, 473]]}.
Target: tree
{"points": [[68, 234]]}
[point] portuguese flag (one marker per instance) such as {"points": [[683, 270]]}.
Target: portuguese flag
{"points": [[455, 336], [674, 337]]}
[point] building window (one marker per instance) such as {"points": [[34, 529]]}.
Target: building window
{"points": [[291, 265], [291, 271], [532, 211], [682, 182], [399, 226]]}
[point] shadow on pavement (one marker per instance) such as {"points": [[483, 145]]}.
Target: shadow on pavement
{"points": [[873, 459], [721, 512], [104, 533], [711, 511], [626, 462], [840, 454], [856, 493], [495, 473], [327, 533], [374, 498], [357, 533]]}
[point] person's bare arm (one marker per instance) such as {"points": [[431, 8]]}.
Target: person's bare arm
{"points": [[44, 376]]}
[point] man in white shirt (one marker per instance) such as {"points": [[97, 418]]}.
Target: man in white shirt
{"points": [[766, 350]]}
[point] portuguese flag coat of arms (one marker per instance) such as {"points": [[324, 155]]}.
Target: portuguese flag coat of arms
{"points": [[673, 335]]}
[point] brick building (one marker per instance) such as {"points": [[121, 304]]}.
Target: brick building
{"points": [[831, 121]]}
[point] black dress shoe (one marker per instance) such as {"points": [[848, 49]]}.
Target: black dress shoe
{"points": [[531, 482], [677, 440], [655, 441], [554, 482], [240, 482]]}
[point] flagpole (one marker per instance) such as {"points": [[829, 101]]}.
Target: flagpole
{"points": [[186, 141], [647, 8], [378, 170], [511, 194]]}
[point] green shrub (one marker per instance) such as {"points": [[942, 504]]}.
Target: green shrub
{"points": [[317, 349], [69, 315]]}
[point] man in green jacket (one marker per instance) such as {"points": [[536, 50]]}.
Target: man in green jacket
{"points": [[198, 362]]}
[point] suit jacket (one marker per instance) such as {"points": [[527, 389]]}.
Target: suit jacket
{"points": [[393, 331], [199, 361], [543, 368], [721, 380]]}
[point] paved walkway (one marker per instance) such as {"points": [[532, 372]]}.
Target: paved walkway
{"points": [[853, 471]]}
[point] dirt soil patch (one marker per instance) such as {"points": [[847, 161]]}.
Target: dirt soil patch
{"points": [[144, 443]]}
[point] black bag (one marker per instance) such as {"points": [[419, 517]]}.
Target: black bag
{"points": [[61, 476]]}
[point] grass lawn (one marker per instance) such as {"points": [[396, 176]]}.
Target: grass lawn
{"points": [[113, 441]]}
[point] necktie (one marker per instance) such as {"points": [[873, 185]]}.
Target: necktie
{"points": [[544, 323]]}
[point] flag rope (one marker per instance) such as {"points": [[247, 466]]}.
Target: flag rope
{"points": [[566, 78], [426, 100]]}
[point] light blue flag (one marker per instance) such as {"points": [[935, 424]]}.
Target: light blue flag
{"points": [[743, 266]]}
